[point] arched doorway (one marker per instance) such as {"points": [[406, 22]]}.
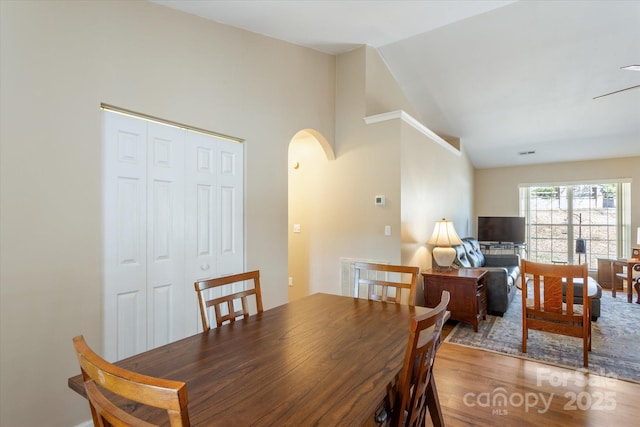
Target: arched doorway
{"points": [[309, 152]]}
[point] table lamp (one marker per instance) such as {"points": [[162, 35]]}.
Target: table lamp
{"points": [[444, 236]]}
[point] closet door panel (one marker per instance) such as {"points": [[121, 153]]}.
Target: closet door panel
{"points": [[166, 288], [125, 258], [200, 217], [230, 226], [173, 214]]}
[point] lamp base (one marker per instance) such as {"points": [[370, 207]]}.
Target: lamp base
{"points": [[444, 256]]}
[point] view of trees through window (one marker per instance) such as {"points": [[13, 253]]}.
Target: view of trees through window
{"points": [[558, 216]]}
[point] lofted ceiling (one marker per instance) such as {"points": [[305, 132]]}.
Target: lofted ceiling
{"points": [[506, 77]]}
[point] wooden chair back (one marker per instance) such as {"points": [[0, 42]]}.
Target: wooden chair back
{"points": [[229, 299], [543, 308], [410, 407], [378, 289], [99, 375]]}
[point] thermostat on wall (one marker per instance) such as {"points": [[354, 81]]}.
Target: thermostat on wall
{"points": [[380, 200]]}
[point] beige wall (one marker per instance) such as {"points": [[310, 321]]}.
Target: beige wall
{"points": [[306, 185], [59, 61], [333, 200], [347, 224], [436, 183], [496, 190]]}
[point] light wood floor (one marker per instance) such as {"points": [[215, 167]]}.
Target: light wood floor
{"points": [[469, 381]]}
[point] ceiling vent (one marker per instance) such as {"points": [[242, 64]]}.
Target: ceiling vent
{"points": [[527, 153]]}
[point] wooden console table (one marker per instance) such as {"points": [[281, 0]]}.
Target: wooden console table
{"points": [[468, 292]]}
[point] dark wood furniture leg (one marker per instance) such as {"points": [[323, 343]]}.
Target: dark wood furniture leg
{"points": [[629, 282], [614, 285], [433, 403]]}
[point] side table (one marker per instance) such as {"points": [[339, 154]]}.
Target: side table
{"points": [[468, 292], [628, 275]]}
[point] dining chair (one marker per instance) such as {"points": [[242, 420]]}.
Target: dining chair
{"points": [[416, 393], [230, 299], [545, 311], [378, 282], [99, 375]]}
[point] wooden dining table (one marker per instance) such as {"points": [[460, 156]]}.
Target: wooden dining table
{"points": [[323, 360]]}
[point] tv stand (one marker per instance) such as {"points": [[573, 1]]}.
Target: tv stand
{"points": [[502, 247]]}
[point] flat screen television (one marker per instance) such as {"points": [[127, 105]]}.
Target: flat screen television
{"points": [[501, 229]]}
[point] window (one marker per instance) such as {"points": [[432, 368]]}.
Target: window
{"points": [[576, 223]]}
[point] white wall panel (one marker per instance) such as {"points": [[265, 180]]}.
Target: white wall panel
{"points": [[204, 215], [227, 218], [129, 147], [204, 160], [161, 331], [228, 162], [128, 315], [161, 211], [128, 221]]}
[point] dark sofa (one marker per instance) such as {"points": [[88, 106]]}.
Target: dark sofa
{"points": [[503, 272], [577, 297]]}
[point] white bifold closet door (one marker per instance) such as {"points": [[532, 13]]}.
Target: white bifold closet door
{"points": [[173, 214]]}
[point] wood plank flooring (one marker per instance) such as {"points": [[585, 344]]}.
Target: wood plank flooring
{"points": [[481, 388]]}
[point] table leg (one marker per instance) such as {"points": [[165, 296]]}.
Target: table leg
{"points": [[629, 283], [613, 280], [433, 403]]}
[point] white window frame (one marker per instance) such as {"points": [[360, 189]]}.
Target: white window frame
{"points": [[623, 229]]}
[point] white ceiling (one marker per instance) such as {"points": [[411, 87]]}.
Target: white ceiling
{"points": [[503, 76]]}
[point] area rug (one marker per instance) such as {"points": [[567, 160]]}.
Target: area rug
{"points": [[615, 348]]}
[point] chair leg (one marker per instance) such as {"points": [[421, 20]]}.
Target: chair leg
{"points": [[586, 341], [588, 331], [433, 403]]}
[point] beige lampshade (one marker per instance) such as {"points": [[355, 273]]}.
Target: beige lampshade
{"points": [[444, 234]]}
